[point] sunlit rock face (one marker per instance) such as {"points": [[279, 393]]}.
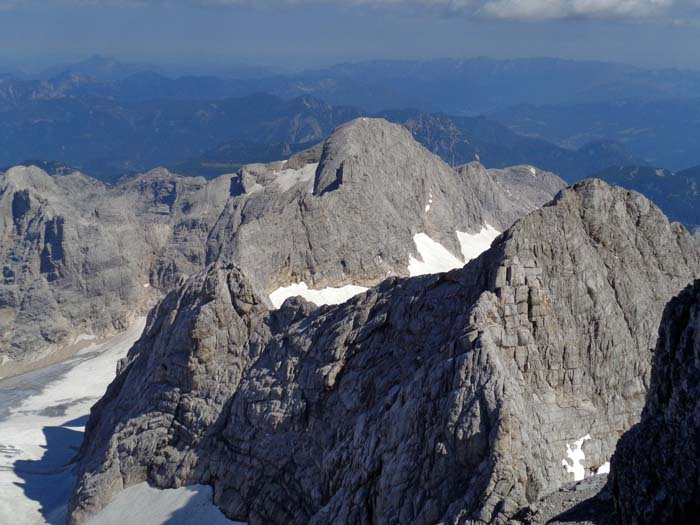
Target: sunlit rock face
{"points": [[440, 398], [363, 213]]}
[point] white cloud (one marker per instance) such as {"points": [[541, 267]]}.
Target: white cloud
{"points": [[546, 9]]}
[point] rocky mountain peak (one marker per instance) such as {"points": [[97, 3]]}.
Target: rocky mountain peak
{"points": [[376, 201], [27, 177], [442, 398], [362, 148], [399, 210]]}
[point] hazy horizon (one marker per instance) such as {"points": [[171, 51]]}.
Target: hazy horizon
{"points": [[35, 68], [307, 34]]}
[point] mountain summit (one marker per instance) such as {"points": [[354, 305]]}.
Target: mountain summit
{"points": [[372, 200]]}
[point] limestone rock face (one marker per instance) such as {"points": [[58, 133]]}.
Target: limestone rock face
{"points": [[511, 193], [79, 257], [655, 474], [437, 399], [352, 218]]}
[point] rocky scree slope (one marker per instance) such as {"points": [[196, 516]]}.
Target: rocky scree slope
{"points": [[76, 254], [655, 476], [442, 398]]}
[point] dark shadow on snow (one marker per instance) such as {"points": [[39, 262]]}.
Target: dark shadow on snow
{"points": [[77, 422], [50, 480]]}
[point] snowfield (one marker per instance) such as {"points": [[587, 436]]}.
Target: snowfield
{"points": [[433, 257], [144, 505], [318, 297], [475, 244], [42, 420]]}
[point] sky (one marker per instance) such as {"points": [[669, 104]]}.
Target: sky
{"points": [[293, 34]]}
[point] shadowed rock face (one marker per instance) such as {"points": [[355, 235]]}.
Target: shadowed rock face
{"points": [[76, 254], [442, 398], [655, 474]]}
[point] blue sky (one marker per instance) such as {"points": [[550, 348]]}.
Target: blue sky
{"points": [[300, 33]]}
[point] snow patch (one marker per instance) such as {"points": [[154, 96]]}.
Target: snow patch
{"points": [[142, 504], [574, 463], [435, 257], [318, 297], [146, 285], [430, 202], [533, 171], [287, 178], [42, 418], [603, 469], [474, 244]]}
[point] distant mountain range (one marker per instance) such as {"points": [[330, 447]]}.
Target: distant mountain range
{"points": [[660, 132], [463, 139], [479, 85], [109, 138], [677, 194], [456, 86], [575, 118], [457, 140]]}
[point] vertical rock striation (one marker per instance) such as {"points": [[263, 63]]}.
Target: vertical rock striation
{"points": [[79, 257]]}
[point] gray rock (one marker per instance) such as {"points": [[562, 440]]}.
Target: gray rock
{"points": [[441, 399], [76, 254], [353, 220], [511, 193], [655, 472]]}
